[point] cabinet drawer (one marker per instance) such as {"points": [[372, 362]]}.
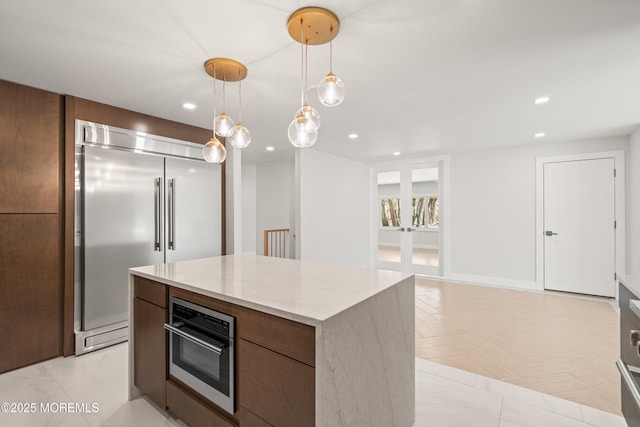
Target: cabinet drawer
{"points": [[274, 387], [191, 410], [150, 291], [284, 336], [249, 419]]}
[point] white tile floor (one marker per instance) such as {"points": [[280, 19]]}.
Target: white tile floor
{"points": [[445, 397]]}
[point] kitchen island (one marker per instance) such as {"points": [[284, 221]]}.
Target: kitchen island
{"points": [[322, 344]]}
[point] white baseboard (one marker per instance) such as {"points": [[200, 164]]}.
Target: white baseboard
{"points": [[496, 282]]}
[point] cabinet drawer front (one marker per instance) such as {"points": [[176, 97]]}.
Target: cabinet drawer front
{"points": [[274, 387], [284, 336], [191, 410], [249, 419], [150, 291]]}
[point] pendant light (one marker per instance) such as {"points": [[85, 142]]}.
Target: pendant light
{"points": [[239, 136], [214, 151], [223, 123], [226, 70], [303, 130], [313, 26], [307, 110], [331, 88]]}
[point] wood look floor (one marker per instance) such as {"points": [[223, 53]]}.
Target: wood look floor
{"points": [[559, 345]]}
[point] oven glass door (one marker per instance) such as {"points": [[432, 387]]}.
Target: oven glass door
{"points": [[204, 363]]}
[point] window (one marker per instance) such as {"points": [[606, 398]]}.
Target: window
{"points": [[390, 212], [433, 210], [425, 212]]}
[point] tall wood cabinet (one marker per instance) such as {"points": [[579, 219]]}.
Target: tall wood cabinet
{"points": [[30, 225]]}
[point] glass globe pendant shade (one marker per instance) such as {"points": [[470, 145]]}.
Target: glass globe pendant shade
{"points": [[311, 114], [331, 90], [223, 125], [302, 132], [214, 151], [239, 136]]}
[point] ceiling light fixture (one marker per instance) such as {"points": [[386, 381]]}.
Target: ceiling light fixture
{"points": [[189, 106], [313, 26], [539, 135], [233, 71], [396, 153], [541, 100], [353, 136], [270, 148]]}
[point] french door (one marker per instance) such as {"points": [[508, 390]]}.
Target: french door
{"points": [[407, 220]]}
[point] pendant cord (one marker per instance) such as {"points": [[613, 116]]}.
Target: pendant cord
{"points": [[306, 73], [224, 95], [240, 102], [331, 54], [302, 61], [214, 101]]}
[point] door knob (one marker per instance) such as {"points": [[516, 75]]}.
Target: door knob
{"points": [[401, 229], [550, 233]]}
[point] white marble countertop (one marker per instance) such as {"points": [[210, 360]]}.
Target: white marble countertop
{"points": [[306, 292]]}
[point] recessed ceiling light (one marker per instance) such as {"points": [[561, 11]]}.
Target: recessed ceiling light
{"points": [[353, 136], [270, 148], [541, 100], [396, 153], [189, 106], [539, 135]]}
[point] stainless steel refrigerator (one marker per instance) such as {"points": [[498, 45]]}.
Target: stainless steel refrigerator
{"points": [[140, 200]]}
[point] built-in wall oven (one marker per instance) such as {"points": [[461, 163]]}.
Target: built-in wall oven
{"points": [[629, 363], [201, 351]]}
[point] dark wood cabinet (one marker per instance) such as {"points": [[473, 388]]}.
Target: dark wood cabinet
{"points": [[30, 285], [30, 149], [150, 340], [274, 387], [275, 359]]}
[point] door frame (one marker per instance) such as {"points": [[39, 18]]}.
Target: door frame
{"points": [[619, 209], [444, 204]]}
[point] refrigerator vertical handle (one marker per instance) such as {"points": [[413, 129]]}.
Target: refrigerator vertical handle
{"points": [[157, 213], [172, 214]]}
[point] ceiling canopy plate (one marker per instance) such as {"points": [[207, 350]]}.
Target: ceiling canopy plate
{"points": [[313, 25], [225, 69]]}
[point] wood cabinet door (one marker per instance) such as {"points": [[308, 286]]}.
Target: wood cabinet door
{"points": [[30, 289], [30, 147], [274, 387], [150, 350]]}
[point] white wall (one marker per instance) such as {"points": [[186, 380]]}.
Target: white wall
{"points": [[334, 211], [274, 198], [633, 209], [248, 208], [492, 210]]}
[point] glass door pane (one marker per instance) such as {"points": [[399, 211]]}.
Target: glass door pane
{"points": [[425, 221], [389, 204]]}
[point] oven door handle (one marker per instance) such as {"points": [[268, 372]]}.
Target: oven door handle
{"points": [[628, 380], [173, 329]]}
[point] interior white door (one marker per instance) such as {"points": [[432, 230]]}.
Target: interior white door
{"points": [[579, 215]]}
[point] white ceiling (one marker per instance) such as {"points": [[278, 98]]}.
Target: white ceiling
{"points": [[423, 77]]}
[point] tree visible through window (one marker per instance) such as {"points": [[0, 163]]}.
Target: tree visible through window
{"points": [[425, 212], [433, 210], [390, 212]]}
